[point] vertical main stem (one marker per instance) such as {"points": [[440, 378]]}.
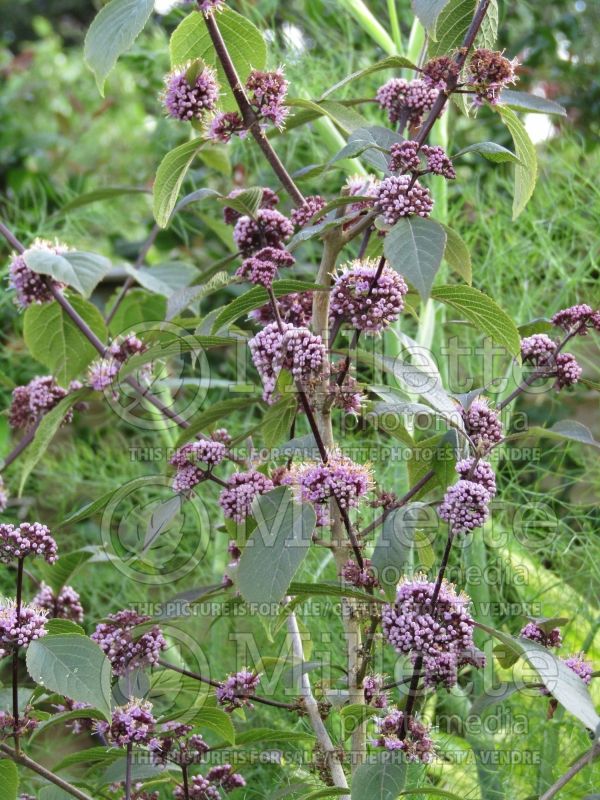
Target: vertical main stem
{"points": [[15, 658]]}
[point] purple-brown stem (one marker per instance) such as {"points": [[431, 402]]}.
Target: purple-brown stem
{"points": [[15, 658]]}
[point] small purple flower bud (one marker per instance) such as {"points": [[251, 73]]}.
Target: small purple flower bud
{"points": [[465, 506], [303, 215], [125, 649], [237, 689], [266, 93], [224, 125], [367, 305], [261, 268], [536, 633], [191, 91], [242, 488], [438, 162], [27, 539], [294, 308], [65, 605], [269, 229], [31, 287], [397, 196], [131, 724], [22, 629], [360, 577], [416, 743], [568, 371], [412, 99], [483, 424], [481, 473], [405, 156]]}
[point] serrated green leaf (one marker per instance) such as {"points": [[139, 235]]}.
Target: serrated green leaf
{"points": [[164, 279], [370, 142], [391, 62], [483, 312], [530, 103], [565, 429], [526, 170], [9, 779], [98, 195], [344, 117], [414, 247], [114, 29], [58, 626], [169, 177], [82, 271], [278, 420], [457, 254], [246, 202], [452, 25], [427, 12], [489, 150]]}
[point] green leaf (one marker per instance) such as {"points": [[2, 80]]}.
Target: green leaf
{"points": [[59, 626], [164, 279], [331, 791], [384, 777], [565, 429], [526, 170], [490, 150], [483, 312], [68, 716], [281, 539], [369, 142], [53, 793], [89, 509], [330, 590], [538, 325], [73, 666], [457, 254], [353, 716], [391, 62], [9, 779], [137, 307], [55, 341], [218, 410], [488, 32], [344, 117], [278, 420], [82, 271], [112, 32], [93, 755], [245, 43], [394, 553], [45, 432], [452, 25], [215, 719], [414, 247], [427, 12], [531, 103], [247, 202], [195, 197], [98, 195], [170, 175], [270, 735]]}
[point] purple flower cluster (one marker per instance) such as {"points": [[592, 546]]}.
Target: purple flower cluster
{"points": [[27, 539], [294, 308], [31, 401], [131, 724], [102, 373], [488, 72], [340, 478], [410, 100], [538, 349], [206, 451], [175, 744], [415, 742], [441, 633], [18, 630], [374, 693], [536, 633], [223, 775], [125, 649], [199, 789], [568, 371], [397, 196], [268, 229], [405, 156], [31, 287], [363, 577], [465, 506], [480, 472], [269, 199], [221, 435], [438, 162], [126, 346], [226, 124], [266, 93], [191, 92], [242, 488], [368, 306], [64, 605], [261, 268], [575, 316], [303, 215], [440, 72], [582, 668], [483, 424], [237, 690]]}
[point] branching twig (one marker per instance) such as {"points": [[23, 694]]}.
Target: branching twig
{"points": [[25, 761]]}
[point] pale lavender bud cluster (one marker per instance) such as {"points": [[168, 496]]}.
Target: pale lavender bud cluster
{"points": [[312, 205], [199, 789], [35, 399], [416, 744], [64, 605], [411, 99], [575, 316], [125, 649], [363, 577], [488, 73], [294, 308], [266, 92], [102, 373], [374, 693], [242, 488], [27, 539], [226, 124], [19, 629], [31, 287], [341, 478], [480, 472], [438, 162], [206, 451], [269, 199], [174, 743], [368, 305], [441, 72], [191, 92], [440, 633], [397, 196], [465, 506], [261, 268], [582, 668], [536, 633], [405, 156], [538, 349], [568, 371], [186, 478], [131, 724], [269, 229], [237, 690], [483, 424], [224, 776]]}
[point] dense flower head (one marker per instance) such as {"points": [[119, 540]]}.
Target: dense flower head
{"points": [[102, 373], [64, 605], [340, 477], [580, 667], [367, 305], [126, 346], [126, 649], [191, 91], [269, 229], [416, 744], [312, 205], [374, 693], [269, 199], [131, 724], [408, 99], [363, 577], [438, 162], [440, 71], [488, 72], [31, 287], [261, 268], [465, 506], [580, 316], [19, 629], [441, 635], [224, 776], [568, 371], [294, 308], [266, 93], [360, 186], [242, 488], [538, 348], [206, 451], [199, 789], [36, 398], [173, 743], [536, 633], [483, 424], [186, 478], [237, 689], [405, 156], [480, 472], [397, 196], [224, 125], [27, 539]]}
